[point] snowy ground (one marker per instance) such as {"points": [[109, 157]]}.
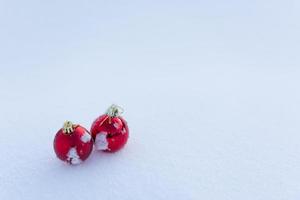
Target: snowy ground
{"points": [[210, 92]]}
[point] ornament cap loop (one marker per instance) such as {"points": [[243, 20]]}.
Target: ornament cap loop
{"points": [[114, 111], [68, 127]]}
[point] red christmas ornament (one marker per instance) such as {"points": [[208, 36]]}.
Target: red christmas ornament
{"points": [[73, 143], [110, 131]]}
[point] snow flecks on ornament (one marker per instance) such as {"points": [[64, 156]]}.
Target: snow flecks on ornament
{"points": [[73, 157], [116, 125], [86, 137], [101, 141]]}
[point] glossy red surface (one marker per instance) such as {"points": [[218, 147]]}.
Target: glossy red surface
{"points": [[63, 143], [115, 129]]}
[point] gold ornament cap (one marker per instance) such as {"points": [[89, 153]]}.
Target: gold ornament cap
{"points": [[114, 111], [68, 127]]}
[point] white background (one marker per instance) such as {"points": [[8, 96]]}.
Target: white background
{"points": [[210, 91]]}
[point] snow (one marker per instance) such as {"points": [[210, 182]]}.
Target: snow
{"points": [[86, 137], [100, 141], [73, 157], [116, 125], [210, 91], [123, 131]]}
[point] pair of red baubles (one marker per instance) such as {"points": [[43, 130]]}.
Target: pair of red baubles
{"points": [[109, 133]]}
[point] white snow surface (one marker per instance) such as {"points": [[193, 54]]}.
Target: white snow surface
{"points": [[210, 91]]}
